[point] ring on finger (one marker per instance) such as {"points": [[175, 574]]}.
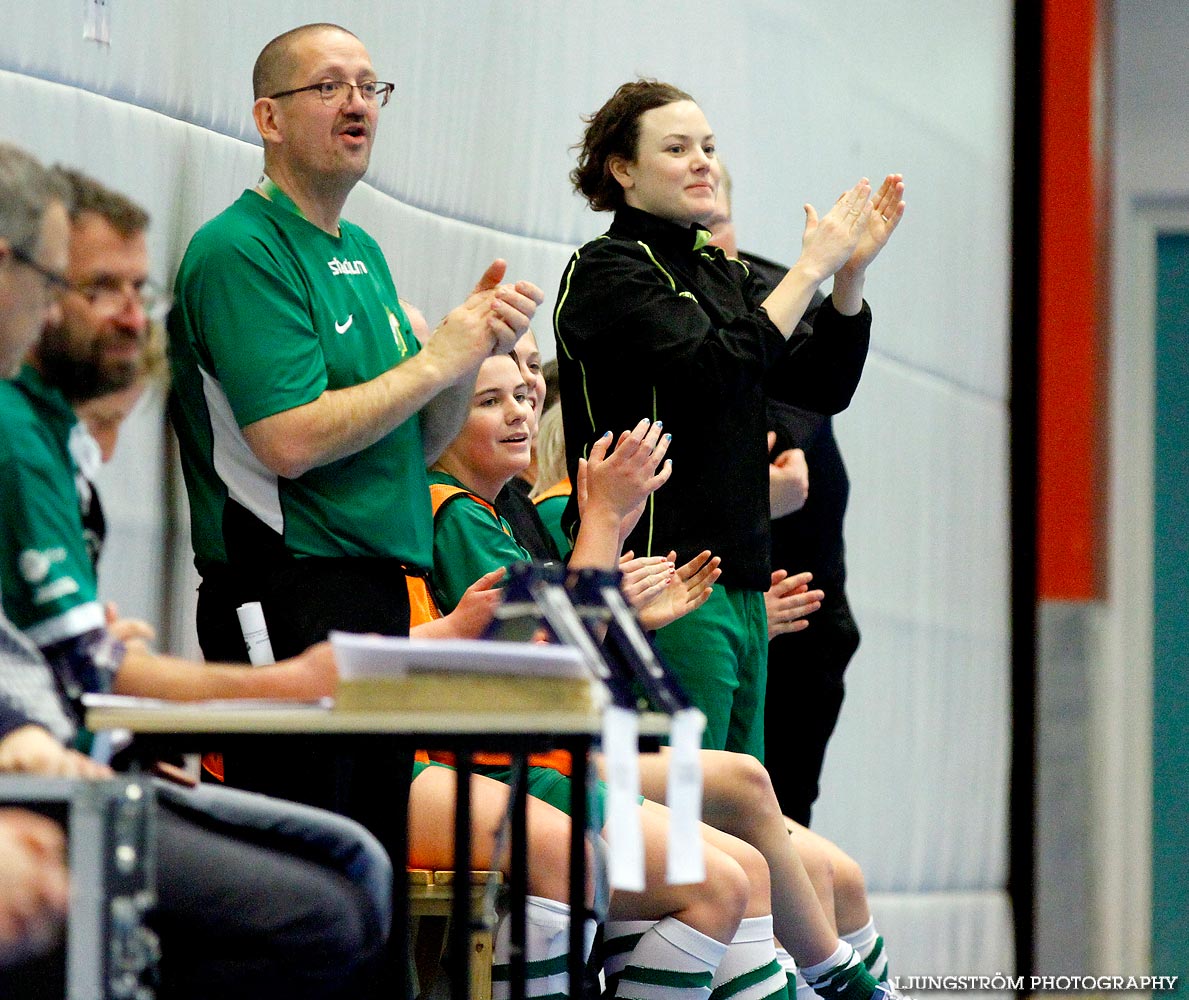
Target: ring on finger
{"points": [[884, 217]]}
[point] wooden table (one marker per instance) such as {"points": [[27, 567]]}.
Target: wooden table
{"points": [[165, 729]]}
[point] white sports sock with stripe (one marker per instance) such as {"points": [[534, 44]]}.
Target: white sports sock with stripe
{"points": [[798, 987], [868, 942], [842, 976], [620, 938], [546, 950], [749, 970], [671, 961]]}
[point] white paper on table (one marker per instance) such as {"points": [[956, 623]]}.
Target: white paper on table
{"points": [[360, 656], [686, 864], [134, 703], [624, 832]]}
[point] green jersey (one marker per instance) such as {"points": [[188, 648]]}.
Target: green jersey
{"points": [[46, 573], [469, 540], [550, 510], [270, 312]]}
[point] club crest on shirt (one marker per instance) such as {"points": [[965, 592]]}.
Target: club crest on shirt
{"points": [[397, 333]]}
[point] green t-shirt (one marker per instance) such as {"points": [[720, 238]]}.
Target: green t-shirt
{"points": [[46, 574], [469, 540], [550, 511], [270, 312]]}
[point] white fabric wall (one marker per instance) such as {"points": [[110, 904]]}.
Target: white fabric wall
{"points": [[471, 163]]}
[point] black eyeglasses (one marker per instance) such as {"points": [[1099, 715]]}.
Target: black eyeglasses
{"points": [[53, 283], [339, 91], [109, 295]]}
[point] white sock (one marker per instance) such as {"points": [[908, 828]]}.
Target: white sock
{"points": [[749, 970], [842, 976], [797, 984], [620, 938], [546, 949], [868, 942], [671, 961]]}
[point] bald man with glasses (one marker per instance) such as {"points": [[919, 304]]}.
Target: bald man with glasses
{"points": [[305, 408]]}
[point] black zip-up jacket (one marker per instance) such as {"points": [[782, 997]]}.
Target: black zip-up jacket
{"points": [[652, 322]]}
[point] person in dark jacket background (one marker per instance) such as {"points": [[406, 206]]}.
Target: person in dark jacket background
{"points": [[805, 667]]}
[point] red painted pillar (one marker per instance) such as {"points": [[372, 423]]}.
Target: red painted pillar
{"points": [[1075, 216]]}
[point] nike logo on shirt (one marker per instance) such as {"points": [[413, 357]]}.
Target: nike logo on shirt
{"points": [[344, 327]]}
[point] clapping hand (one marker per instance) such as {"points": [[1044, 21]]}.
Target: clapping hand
{"points": [[829, 242], [788, 480], [788, 601], [688, 589], [887, 209]]}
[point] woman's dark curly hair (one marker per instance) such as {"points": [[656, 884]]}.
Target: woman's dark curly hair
{"points": [[614, 130]]}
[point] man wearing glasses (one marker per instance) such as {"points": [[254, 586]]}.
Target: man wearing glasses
{"points": [[95, 315], [305, 408], [247, 907], [45, 575], [96, 356], [92, 345], [98, 346], [34, 229]]}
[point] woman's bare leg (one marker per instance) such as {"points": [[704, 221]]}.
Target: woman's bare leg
{"points": [[819, 866], [738, 800], [848, 890], [747, 961], [431, 831], [713, 907], [547, 911]]}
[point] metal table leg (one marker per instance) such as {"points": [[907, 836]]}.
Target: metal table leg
{"points": [[460, 911], [518, 871], [578, 801]]}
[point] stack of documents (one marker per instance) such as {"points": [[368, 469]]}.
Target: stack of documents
{"points": [[381, 672]]}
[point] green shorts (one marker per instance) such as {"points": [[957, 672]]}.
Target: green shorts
{"points": [[421, 765], [720, 655], [552, 786]]}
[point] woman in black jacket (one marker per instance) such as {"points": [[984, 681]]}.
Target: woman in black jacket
{"points": [[651, 321]]}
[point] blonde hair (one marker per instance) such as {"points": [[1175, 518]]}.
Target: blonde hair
{"points": [[154, 361], [551, 451]]}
